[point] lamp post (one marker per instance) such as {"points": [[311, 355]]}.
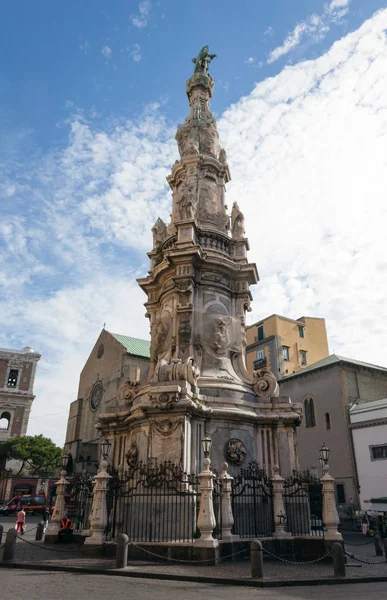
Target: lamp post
{"points": [[98, 519], [59, 509], [206, 517], [206, 445], [324, 453], [330, 516]]}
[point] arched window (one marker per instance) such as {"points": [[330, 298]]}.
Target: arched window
{"points": [[5, 421], [310, 416], [327, 421]]}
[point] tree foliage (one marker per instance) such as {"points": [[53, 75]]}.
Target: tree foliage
{"points": [[37, 453]]}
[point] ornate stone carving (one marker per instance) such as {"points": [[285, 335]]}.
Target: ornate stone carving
{"points": [[235, 451], [164, 401], [220, 338], [187, 141], [160, 332], [126, 392], [132, 456], [264, 383], [209, 140], [237, 222], [178, 370], [159, 232], [187, 200], [185, 329]]}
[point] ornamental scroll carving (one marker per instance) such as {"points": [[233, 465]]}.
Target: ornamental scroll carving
{"points": [[265, 384], [235, 451], [126, 392], [178, 370]]}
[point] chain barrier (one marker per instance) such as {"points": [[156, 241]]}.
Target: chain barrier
{"points": [[295, 562], [358, 545], [365, 562], [178, 560], [47, 549]]}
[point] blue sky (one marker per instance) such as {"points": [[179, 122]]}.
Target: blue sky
{"points": [[90, 97]]}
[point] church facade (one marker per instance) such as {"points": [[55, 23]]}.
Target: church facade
{"points": [[197, 294]]}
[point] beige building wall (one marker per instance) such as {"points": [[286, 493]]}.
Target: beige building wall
{"points": [[334, 389], [109, 368], [325, 387], [280, 332]]}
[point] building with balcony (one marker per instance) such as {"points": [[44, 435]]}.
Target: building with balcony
{"points": [[285, 345]]}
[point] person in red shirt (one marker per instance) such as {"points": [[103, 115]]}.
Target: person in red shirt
{"points": [[20, 521]]}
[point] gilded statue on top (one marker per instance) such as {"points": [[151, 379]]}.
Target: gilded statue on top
{"points": [[202, 61]]}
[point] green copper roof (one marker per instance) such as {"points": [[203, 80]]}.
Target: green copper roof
{"points": [[330, 360], [133, 345]]}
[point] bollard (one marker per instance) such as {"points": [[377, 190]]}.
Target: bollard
{"points": [[338, 559], [256, 556], [10, 545], [378, 545], [122, 551], [385, 547], [1, 533], [39, 531]]}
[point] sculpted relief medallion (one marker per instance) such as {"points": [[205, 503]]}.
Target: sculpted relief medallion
{"points": [[235, 451]]}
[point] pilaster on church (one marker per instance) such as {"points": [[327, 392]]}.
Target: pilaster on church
{"points": [[198, 292]]}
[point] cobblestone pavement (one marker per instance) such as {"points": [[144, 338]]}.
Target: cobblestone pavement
{"points": [[66, 586], [36, 585], [76, 556]]}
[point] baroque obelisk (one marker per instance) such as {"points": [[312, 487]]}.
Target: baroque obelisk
{"points": [[198, 292]]}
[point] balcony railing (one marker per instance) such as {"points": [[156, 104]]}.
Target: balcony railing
{"points": [[261, 362]]}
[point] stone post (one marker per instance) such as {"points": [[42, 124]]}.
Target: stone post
{"points": [[59, 509], [256, 559], [206, 518], [98, 519], [10, 545], [330, 515], [226, 509], [278, 504]]}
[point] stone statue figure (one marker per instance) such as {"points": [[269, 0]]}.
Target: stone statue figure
{"points": [[237, 222], [202, 61], [159, 232]]}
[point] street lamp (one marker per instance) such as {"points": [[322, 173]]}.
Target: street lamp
{"points": [[105, 447], [65, 458], [324, 454], [206, 445]]}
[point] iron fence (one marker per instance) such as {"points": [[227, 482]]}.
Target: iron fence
{"points": [[303, 505], [252, 502], [154, 502]]}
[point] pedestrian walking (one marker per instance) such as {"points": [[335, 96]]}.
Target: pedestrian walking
{"points": [[20, 522]]}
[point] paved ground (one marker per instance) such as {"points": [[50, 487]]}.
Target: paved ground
{"points": [[35, 585], [41, 554]]}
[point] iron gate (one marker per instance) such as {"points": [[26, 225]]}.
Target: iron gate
{"points": [[79, 500], [252, 502], [153, 502], [303, 504]]}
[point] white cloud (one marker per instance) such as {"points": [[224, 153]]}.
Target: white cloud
{"points": [[106, 51], [141, 19], [136, 53], [250, 60], [307, 151], [84, 46], [314, 28]]}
